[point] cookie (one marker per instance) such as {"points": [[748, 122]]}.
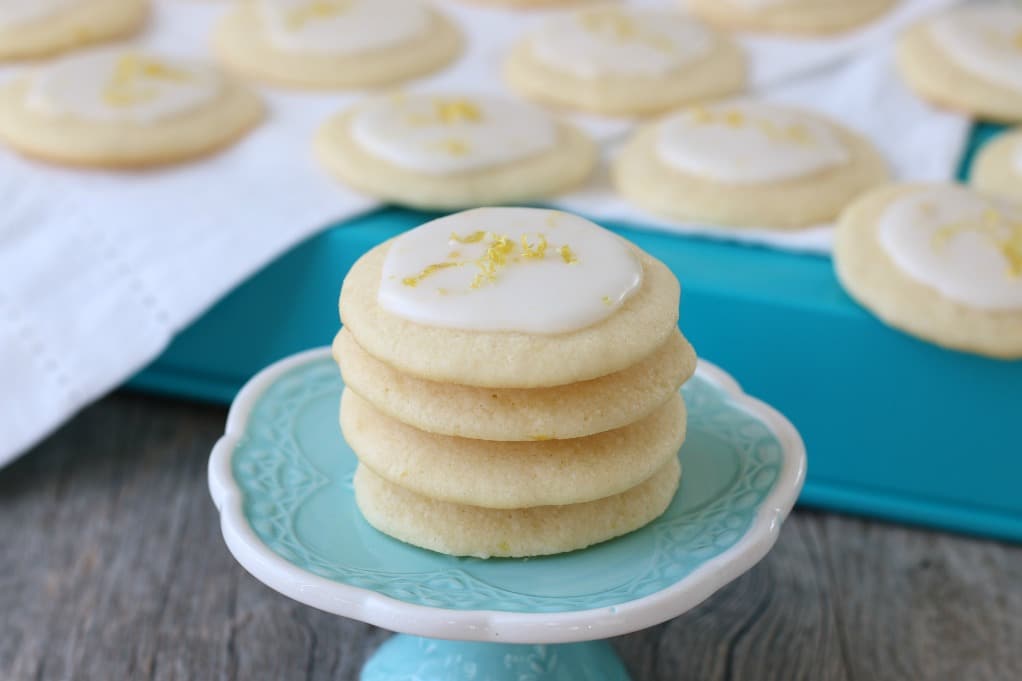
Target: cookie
{"points": [[747, 163], [462, 530], [31, 29], [620, 61], [457, 300], [968, 59], [445, 151], [124, 108], [810, 17], [336, 43], [998, 168], [511, 414], [940, 262], [513, 475]]}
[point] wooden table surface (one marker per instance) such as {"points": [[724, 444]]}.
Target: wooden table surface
{"points": [[112, 567]]}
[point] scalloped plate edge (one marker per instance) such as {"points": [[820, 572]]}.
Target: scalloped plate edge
{"points": [[488, 625]]}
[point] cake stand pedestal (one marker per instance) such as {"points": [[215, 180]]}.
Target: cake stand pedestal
{"points": [[281, 477]]}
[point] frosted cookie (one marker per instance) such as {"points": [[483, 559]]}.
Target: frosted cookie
{"points": [[124, 108], [619, 61], [443, 152], [937, 261], [747, 164], [336, 43], [511, 414], [513, 474], [462, 530], [509, 298], [998, 168], [790, 16], [969, 59], [39, 28]]}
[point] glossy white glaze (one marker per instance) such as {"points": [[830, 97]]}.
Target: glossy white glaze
{"points": [[440, 134], [509, 269], [746, 142], [122, 85], [984, 39], [341, 26], [611, 40], [966, 246]]}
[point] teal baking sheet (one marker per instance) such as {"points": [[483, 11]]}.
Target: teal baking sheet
{"points": [[895, 428]]}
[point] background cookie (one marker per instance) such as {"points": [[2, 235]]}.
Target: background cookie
{"points": [[998, 168], [442, 152], [968, 59], [620, 61], [939, 262], [123, 108], [512, 475], [345, 45], [567, 411], [485, 532], [747, 164], [790, 16], [39, 28], [598, 276]]}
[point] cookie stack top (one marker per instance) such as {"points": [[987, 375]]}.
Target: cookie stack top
{"points": [[509, 298]]}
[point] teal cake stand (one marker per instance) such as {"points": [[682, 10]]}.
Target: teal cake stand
{"points": [[281, 477]]}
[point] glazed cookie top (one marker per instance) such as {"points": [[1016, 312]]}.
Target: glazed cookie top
{"points": [[616, 41], [746, 142], [509, 298], [441, 134], [983, 39], [341, 26], [508, 269], [17, 13], [121, 85], [966, 246]]}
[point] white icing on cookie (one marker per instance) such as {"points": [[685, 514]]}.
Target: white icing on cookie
{"points": [[757, 5], [341, 26], [611, 40], [966, 246], [122, 86], [17, 13], [440, 134], [508, 269], [985, 40], [745, 142]]}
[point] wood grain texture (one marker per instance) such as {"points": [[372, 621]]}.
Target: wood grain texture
{"points": [[112, 567]]}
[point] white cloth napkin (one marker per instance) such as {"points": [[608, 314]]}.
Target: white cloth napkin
{"points": [[98, 270]]}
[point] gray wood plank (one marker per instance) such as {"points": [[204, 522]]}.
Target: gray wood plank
{"points": [[112, 567]]}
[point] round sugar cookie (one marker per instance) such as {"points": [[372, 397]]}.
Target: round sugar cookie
{"points": [[811, 17], [512, 474], [967, 58], [443, 152], [336, 43], [124, 108], [747, 163], [620, 61], [940, 262], [461, 530], [509, 298], [998, 168], [512, 414], [39, 28]]}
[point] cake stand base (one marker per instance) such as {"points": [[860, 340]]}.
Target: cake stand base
{"points": [[414, 658]]}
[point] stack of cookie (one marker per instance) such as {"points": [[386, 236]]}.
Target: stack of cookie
{"points": [[512, 384]]}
